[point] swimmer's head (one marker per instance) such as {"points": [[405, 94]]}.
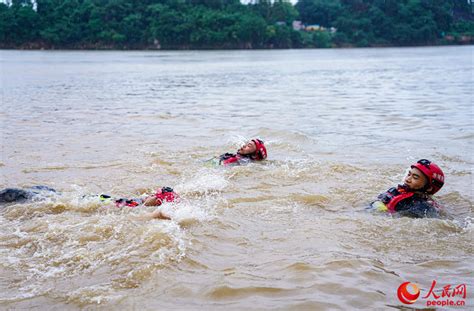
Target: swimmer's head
{"points": [[424, 176], [255, 148]]}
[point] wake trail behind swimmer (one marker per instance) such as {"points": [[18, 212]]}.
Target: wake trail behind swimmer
{"points": [[41, 193]]}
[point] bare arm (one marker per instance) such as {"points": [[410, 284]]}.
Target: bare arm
{"points": [[160, 215], [153, 215], [152, 201]]}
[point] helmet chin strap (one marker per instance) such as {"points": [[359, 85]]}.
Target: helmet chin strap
{"points": [[427, 188], [246, 155], [424, 190]]}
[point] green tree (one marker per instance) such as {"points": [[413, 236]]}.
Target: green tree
{"points": [[7, 24], [171, 27], [250, 31], [321, 39], [229, 23], [22, 21], [321, 12], [60, 22], [283, 11]]}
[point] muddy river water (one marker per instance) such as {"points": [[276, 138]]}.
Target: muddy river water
{"points": [[291, 232]]}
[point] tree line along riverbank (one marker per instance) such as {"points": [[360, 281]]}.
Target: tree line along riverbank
{"points": [[231, 24]]}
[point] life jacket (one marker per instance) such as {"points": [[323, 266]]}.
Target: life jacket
{"points": [[393, 196], [166, 194], [230, 158], [128, 202]]}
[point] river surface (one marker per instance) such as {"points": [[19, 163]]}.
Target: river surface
{"points": [[291, 232]]}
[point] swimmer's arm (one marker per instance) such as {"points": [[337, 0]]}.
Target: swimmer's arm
{"points": [[160, 215], [154, 215], [152, 201]]}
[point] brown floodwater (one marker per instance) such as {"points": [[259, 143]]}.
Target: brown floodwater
{"points": [[291, 232]]}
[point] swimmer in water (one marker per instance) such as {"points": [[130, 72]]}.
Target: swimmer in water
{"points": [[253, 150], [39, 193], [413, 198], [165, 194]]}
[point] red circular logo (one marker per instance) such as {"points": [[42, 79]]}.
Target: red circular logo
{"points": [[408, 293]]}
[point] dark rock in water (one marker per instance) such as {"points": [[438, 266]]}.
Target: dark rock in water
{"points": [[10, 195], [41, 189], [14, 195]]}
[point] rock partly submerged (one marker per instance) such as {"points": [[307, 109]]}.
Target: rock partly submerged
{"points": [[18, 195]]}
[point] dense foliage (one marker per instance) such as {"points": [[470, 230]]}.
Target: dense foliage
{"points": [[391, 22], [183, 24]]}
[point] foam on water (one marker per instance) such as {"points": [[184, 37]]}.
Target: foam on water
{"points": [[203, 181], [87, 238]]}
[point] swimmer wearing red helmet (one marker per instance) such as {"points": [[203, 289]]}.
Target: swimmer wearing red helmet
{"points": [[253, 150], [39, 193], [165, 194], [413, 197]]}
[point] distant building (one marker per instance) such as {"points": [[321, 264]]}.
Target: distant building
{"points": [[314, 28], [319, 28], [297, 25]]}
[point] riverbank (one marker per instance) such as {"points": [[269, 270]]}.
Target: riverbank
{"points": [[448, 41], [218, 25]]}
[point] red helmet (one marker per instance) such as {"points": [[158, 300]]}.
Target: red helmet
{"points": [[261, 151], [434, 174]]}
